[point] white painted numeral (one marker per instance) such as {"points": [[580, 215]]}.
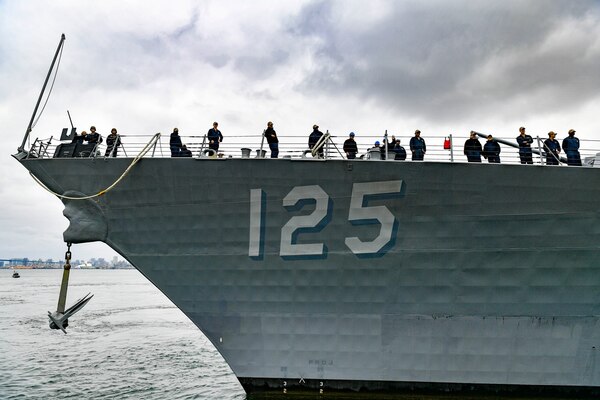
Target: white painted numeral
{"points": [[360, 214], [297, 198], [257, 223]]}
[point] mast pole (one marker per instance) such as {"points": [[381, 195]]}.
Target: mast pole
{"points": [[60, 44]]}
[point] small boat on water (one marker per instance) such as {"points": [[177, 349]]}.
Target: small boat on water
{"points": [[16, 274]]}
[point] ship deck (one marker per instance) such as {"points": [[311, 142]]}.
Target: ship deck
{"points": [[295, 147]]}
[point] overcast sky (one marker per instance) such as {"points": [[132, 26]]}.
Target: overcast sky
{"points": [[364, 66]]}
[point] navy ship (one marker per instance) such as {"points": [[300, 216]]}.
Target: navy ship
{"points": [[335, 274]]}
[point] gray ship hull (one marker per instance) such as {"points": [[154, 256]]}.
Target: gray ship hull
{"points": [[341, 273]]}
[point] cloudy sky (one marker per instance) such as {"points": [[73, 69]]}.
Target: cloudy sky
{"points": [[441, 66]]}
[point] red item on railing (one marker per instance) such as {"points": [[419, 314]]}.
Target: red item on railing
{"points": [[446, 143]]}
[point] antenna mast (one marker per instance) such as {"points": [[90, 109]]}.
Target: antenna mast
{"points": [[60, 44]]}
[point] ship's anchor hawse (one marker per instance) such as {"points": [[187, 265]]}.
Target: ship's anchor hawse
{"points": [[60, 318]]}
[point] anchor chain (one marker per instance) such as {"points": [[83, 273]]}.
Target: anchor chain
{"points": [[68, 256]]}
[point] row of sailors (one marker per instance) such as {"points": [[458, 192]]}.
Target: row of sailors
{"points": [[491, 149], [417, 145], [472, 149], [113, 141]]}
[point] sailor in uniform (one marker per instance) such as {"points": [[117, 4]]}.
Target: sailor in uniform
{"points": [[525, 142], [473, 148], [571, 148], [93, 137], [491, 150], [417, 146], [350, 147], [552, 148], [214, 137]]}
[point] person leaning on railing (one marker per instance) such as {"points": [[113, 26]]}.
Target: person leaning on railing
{"points": [[113, 141], [93, 137], [272, 140], [552, 148]]}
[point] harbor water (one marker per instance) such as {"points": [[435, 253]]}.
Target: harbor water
{"points": [[129, 342]]}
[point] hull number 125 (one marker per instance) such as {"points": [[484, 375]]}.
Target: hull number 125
{"points": [[360, 213]]}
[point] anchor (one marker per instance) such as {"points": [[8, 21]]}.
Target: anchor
{"points": [[60, 318]]}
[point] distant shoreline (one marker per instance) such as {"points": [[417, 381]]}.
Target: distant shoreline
{"points": [[60, 267]]}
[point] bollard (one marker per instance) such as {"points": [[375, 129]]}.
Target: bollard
{"points": [[246, 152]]}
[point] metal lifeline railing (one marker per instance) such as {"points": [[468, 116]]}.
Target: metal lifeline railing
{"points": [[296, 147]]}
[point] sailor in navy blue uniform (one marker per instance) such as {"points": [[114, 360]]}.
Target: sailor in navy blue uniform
{"points": [[377, 146], [350, 147], [93, 137], [113, 141], [525, 142], [491, 150], [313, 138], [552, 148], [175, 143], [400, 151], [272, 140], [473, 148], [185, 152], [79, 138], [214, 137], [417, 146], [571, 148]]}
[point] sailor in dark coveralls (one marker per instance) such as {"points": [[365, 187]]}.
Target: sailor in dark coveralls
{"points": [[552, 148], [400, 151], [185, 152], [473, 148], [525, 141], [571, 148], [175, 143], [350, 147], [93, 137], [376, 146], [313, 138], [214, 137], [272, 140], [79, 138], [417, 146], [113, 141], [491, 150]]}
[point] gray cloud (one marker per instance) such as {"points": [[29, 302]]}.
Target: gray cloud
{"points": [[451, 59], [261, 66]]}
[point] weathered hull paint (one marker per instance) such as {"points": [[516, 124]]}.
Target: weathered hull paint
{"points": [[490, 276]]}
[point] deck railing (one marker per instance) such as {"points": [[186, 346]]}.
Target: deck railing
{"points": [[296, 147]]}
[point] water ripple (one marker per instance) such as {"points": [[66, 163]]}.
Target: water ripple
{"points": [[130, 342]]}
